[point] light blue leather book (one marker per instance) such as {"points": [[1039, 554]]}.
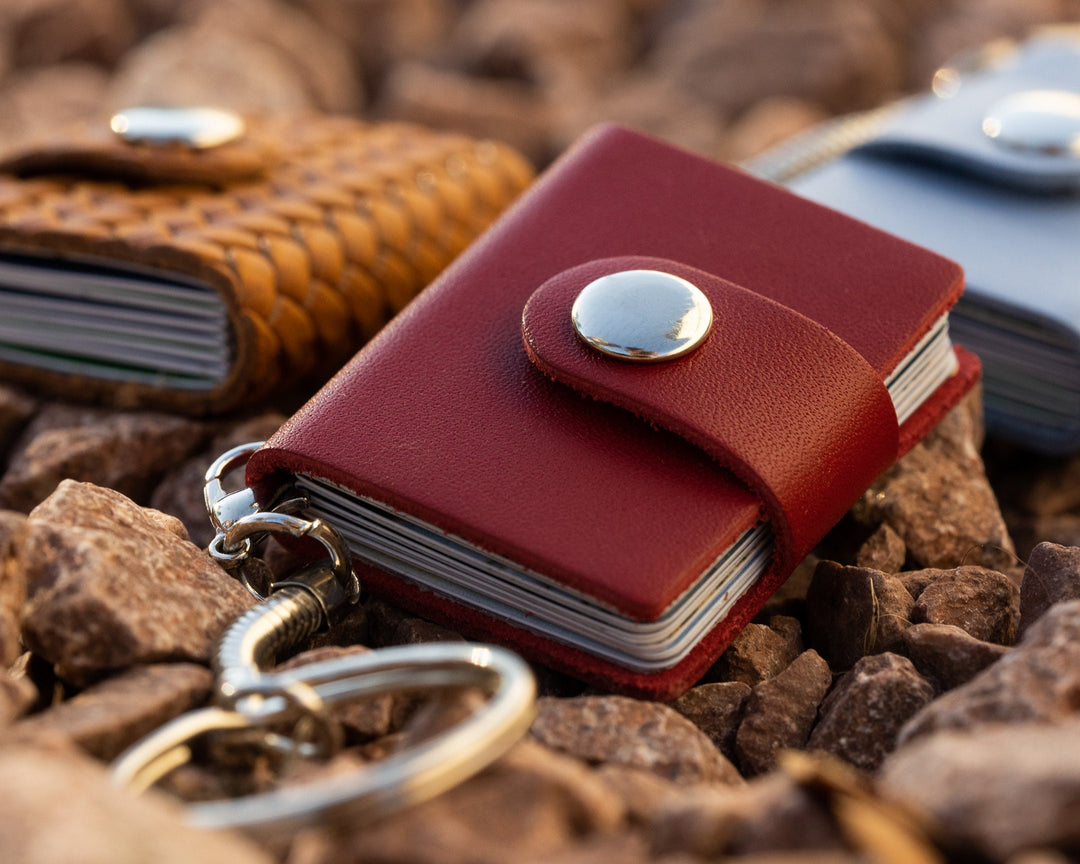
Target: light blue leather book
{"points": [[984, 169]]}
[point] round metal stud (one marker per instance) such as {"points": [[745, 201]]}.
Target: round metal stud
{"points": [[198, 128], [1037, 121], [645, 316]]}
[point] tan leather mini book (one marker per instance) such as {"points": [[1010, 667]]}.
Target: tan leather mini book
{"points": [[152, 264]]}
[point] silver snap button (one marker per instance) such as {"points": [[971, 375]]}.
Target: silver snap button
{"points": [[1037, 121], [198, 128], [642, 315]]}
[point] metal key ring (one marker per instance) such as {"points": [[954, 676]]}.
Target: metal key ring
{"points": [[414, 775]]}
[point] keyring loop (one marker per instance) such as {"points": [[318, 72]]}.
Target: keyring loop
{"points": [[376, 789]]}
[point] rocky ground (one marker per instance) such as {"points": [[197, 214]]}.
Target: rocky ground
{"points": [[912, 694]]}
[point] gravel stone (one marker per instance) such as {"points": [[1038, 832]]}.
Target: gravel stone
{"points": [[109, 716], [997, 790], [55, 31], [235, 72], [17, 695], [938, 499], [318, 57], [854, 611], [532, 801], [623, 731], [387, 625], [12, 584], [113, 584], [716, 709], [16, 409], [862, 716], [61, 807], [734, 55], [1052, 576], [502, 109], [1038, 680], [947, 655], [983, 602], [123, 451], [884, 550], [780, 712], [759, 652]]}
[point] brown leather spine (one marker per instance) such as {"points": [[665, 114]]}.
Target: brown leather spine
{"points": [[313, 230]]}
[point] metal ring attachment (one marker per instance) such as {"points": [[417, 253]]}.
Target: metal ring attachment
{"points": [[377, 789]]}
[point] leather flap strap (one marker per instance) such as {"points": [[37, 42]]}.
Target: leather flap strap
{"points": [[792, 410], [92, 150]]}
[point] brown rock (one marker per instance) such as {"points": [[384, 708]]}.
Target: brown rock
{"points": [[770, 814], [16, 409], [716, 709], [100, 823], [642, 792], [35, 101], [505, 110], [17, 695], [12, 584], [560, 46], [700, 822], [110, 716], [180, 492], [862, 716], [388, 625], [382, 32], [615, 729], [624, 847], [834, 53], [947, 655], [1038, 680], [781, 711], [996, 790], [915, 581], [235, 72], [642, 101], [883, 550], [854, 611], [769, 123], [55, 31], [532, 801], [1052, 576], [983, 602], [125, 452], [937, 498], [759, 652], [319, 58], [113, 584]]}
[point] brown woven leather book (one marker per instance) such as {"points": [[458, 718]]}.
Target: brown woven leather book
{"points": [[144, 265]]}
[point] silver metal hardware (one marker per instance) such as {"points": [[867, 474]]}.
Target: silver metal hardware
{"points": [[1046, 122], [198, 128], [254, 701], [645, 316]]}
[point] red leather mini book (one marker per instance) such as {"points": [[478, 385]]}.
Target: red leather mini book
{"points": [[621, 521]]}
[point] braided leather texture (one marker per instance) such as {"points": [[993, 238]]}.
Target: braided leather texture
{"points": [[313, 230]]}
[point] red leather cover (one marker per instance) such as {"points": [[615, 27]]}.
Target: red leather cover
{"points": [[444, 416], [771, 395]]}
